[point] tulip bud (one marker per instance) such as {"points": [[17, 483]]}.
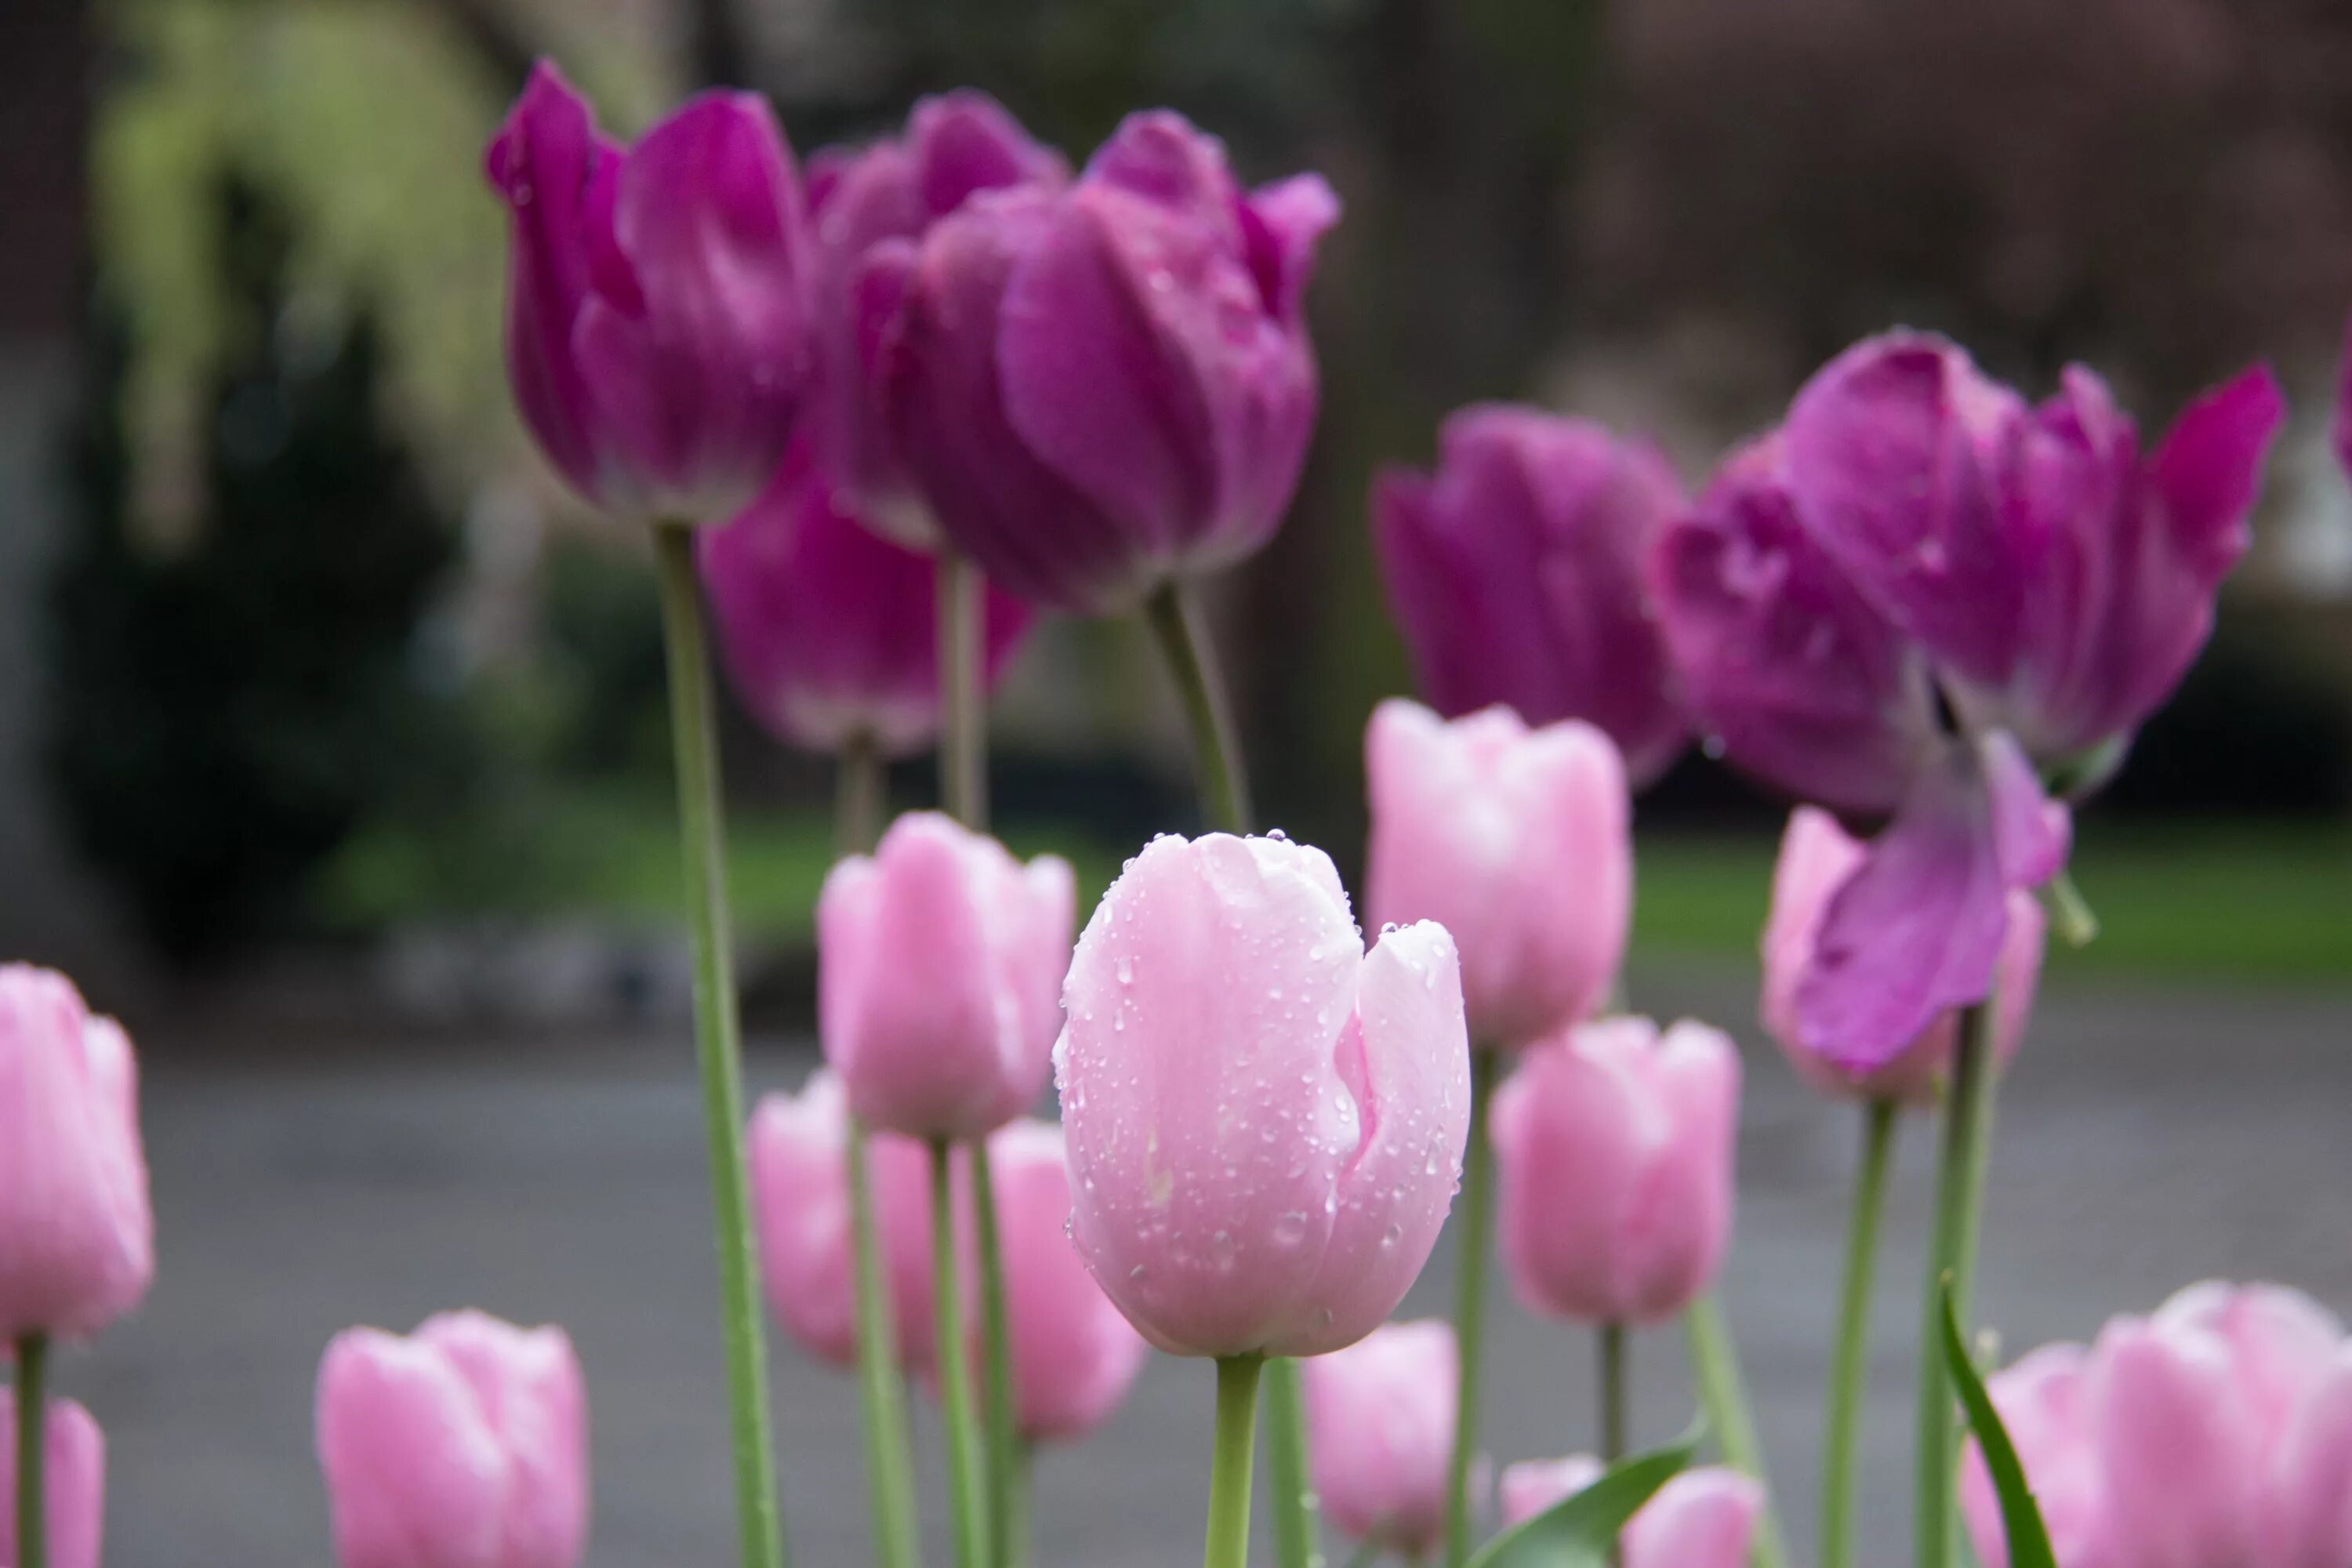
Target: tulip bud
{"points": [[1700, 1519], [940, 962], [1517, 571], [657, 327], [1380, 1420], [464, 1443], [73, 1482], [1817, 856], [1265, 1122], [799, 1146], [829, 631], [1519, 843], [1614, 1145], [2041, 1408], [77, 1237], [1106, 387]]}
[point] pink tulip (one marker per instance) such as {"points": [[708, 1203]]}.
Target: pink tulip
{"points": [[800, 1194], [2041, 1401], [77, 1237], [1615, 1148], [1817, 856], [940, 962], [1519, 843], [1265, 1122], [73, 1483], [464, 1444], [1379, 1417], [1073, 1356], [1700, 1519]]}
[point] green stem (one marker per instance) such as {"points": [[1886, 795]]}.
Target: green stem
{"points": [[967, 1479], [881, 1391], [1959, 1205], [1174, 615], [1229, 1476], [1477, 1213], [2071, 915], [1851, 1358], [32, 1449], [1614, 1416], [1294, 1541], [1723, 1395], [860, 787], [717, 1048], [1004, 1459], [963, 716]]}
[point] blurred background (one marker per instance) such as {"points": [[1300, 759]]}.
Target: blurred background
{"points": [[330, 726]]}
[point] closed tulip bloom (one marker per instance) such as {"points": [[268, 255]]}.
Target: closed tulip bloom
{"points": [[77, 1236], [73, 1482], [1615, 1145], [657, 320], [939, 965], [1517, 571], [798, 1150], [2043, 1407], [1817, 856], [1105, 387], [1073, 1356], [829, 631], [1265, 1122], [1380, 1420], [1700, 1519], [465, 1443], [1519, 842]]}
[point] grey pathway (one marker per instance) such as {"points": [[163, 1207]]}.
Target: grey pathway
{"points": [[2146, 1140]]}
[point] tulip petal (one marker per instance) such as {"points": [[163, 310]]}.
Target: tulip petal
{"points": [[414, 1474], [2177, 1448], [1701, 1519]]}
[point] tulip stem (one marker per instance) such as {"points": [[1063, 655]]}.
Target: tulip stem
{"points": [[1174, 614], [1723, 1395], [963, 717], [1951, 1257], [996, 1340], [32, 1449], [1851, 1358], [860, 790], [1229, 1477], [1614, 1416], [890, 1454], [1476, 1212], [967, 1479], [718, 1048], [1294, 1545]]}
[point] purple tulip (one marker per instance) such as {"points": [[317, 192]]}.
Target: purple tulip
{"points": [[828, 630], [1516, 573], [869, 207], [657, 320], [1102, 388]]}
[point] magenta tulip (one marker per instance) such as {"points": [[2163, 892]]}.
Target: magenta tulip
{"points": [[799, 1145], [1615, 1145], [1701, 1519], [1379, 1420], [1265, 1122], [939, 965], [1517, 574], [1817, 856], [1103, 388], [73, 1482], [77, 1236], [657, 319], [1519, 843], [465, 1443], [869, 207], [829, 631]]}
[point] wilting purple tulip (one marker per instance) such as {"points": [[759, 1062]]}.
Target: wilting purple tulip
{"points": [[1517, 574], [1103, 388], [77, 1234], [1265, 1122], [869, 207], [829, 631], [73, 1482], [657, 314], [1380, 1420], [1700, 1519], [466, 1442]]}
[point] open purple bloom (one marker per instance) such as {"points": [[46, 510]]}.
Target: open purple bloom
{"points": [[657, 320], [1516, 573], [1103, 387]]}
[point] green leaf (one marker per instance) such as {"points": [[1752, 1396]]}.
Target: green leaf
{"points": [[2020, 1516], [1580, 1529]]}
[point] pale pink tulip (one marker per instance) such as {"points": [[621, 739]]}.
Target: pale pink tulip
{"points": [[73, 1483], [1700, 1519], [1380, 1420]]}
